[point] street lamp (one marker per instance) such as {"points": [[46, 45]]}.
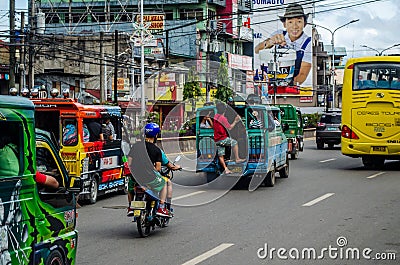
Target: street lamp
{"points": [[381, 52], [333, 54]]}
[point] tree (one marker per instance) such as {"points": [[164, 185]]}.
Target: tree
{"points": [[223, 87], [191, 89]]}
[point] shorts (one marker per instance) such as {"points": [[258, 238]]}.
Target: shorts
{"points": [[223, 143], [156, 185]]}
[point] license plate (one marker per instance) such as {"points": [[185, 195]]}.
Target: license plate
{"points": [[136, 213], [379, 148], [236, 169], [332, 128], [139, 205]]}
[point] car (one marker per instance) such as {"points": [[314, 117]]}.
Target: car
{"points": [[329, 130]]}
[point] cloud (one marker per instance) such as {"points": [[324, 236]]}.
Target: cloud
{"points": [[375, 29]]}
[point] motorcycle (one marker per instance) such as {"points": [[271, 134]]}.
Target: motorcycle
{"points": [[145, 205]]}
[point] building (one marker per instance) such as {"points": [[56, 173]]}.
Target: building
{"points": [[71, 53]]}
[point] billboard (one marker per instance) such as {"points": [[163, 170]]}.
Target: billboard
{"points": [[283, 41]]}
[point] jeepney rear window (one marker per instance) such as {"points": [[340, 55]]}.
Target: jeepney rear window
{"points": [[255, 119], [70, 132], [10, 149]]}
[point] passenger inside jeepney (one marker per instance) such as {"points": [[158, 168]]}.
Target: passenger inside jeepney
{"points": [[255, 120], [9, 162], [95, 131], [46, 165], [108, 130], [206, 120]]}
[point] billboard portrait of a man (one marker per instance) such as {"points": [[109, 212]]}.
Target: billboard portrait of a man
{"points": [[292, 37]]}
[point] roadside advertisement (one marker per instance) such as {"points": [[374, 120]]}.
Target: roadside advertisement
{"points": [[282, 41], [156, 21], [122, 84], [166, 89]]}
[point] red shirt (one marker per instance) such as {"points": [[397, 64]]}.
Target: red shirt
{"points": [[221, 124], [40, 178]]}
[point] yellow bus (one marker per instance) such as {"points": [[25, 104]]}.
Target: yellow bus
{"points": [[371, 110]]}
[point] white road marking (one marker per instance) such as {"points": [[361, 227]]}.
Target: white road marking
{"points": [[327, 160], [208, 254], [375, 175], [188, 195], [323, 197]]}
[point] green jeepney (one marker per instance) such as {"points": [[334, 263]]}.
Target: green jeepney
{"points": [[261, 141], [37, 224], [291, 117]]}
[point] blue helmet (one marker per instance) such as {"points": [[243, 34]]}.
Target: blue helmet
{"points": [[151, 130]]}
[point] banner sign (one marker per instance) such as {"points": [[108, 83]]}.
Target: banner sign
{"points": [[284, 24]]}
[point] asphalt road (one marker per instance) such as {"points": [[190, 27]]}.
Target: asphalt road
{"points": [[329, 204]]}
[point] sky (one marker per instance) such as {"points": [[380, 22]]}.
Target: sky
{"points": [[378, 25]]}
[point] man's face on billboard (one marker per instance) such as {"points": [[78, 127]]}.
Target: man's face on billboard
{"points": [[294, 27]]}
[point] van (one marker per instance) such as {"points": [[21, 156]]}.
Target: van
{"points": [[261, 141], [37, 224]]}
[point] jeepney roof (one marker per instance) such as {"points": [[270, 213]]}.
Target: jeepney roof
{"points": [[15, 102], [9, 105], [68, 103]]}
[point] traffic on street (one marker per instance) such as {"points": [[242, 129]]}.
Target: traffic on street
{"points": [[199, 132], [329, 202]]}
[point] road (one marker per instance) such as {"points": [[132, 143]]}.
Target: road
{"points": [[329, 201]]}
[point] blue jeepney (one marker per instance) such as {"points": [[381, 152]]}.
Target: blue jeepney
{"points": [[261, 141]]}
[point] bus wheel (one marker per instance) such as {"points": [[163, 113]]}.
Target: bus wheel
{"points": [[55, 258], [93, 190]]}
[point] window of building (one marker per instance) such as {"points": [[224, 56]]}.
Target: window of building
{"points": [[169, 15], [186, 14]]}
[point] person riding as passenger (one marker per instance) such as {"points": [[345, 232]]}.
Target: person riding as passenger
{"points": [[146, 168]]}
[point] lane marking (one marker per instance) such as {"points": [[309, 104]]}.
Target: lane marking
{"points": [[327, 160], [188, 195], [323, 197], [208, 254], [375, 175]]}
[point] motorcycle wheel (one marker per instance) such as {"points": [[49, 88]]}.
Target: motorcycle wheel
{"points": [[143, 226]]}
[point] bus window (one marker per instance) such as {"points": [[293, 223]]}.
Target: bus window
{"points": [[376, 75]]}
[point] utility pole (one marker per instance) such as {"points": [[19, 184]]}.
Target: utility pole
{"points": [[115, 67], [31, 74], [11, 82], [142, 102], [102, 68], [22, 54], [275, 69], [208, 65]]}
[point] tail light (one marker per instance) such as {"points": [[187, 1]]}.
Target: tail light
{"points": [[321, 124], [348, 133]]}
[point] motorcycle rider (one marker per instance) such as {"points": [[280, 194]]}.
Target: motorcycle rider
{"points": [[146, 169]]}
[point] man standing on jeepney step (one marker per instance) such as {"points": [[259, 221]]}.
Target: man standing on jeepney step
{"points": [[221, 136]]}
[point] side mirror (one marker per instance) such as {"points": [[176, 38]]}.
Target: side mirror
{"points": [[177, 159], [76, 185]]}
